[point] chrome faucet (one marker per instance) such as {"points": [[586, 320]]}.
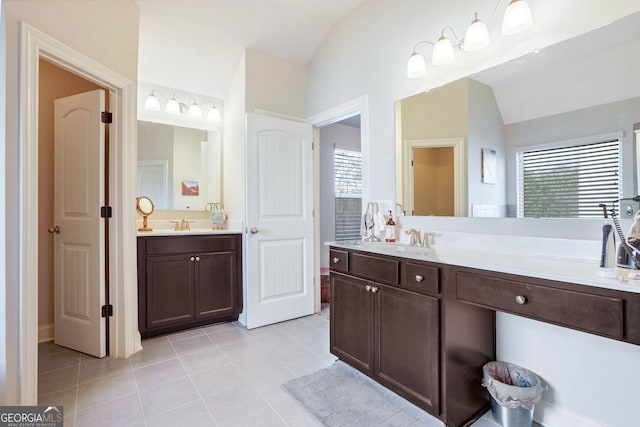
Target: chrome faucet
{"points": [[415, 239]]}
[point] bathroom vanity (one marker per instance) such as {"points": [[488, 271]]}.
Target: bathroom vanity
{"points": [[424, 326], [188, 280]]}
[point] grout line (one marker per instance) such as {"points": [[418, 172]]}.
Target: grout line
{"points": [[135, 381]]}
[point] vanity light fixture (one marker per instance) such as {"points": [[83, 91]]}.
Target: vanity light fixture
{"points": [[517, 18], [173, 106]]}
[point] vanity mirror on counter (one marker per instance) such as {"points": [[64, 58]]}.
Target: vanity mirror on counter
{"points": [[582, 88], [144, 207], [179, 168]]}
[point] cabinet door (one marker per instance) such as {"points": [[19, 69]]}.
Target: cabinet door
{"points": [[216, 285], [169, 290], [407, 336], [352, 321]]}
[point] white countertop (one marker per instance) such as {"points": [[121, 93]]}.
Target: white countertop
{"points": [[192, 232], [560, 268]]}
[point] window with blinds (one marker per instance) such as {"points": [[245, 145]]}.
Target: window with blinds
{"points": [[348, 193], [569, 182]]}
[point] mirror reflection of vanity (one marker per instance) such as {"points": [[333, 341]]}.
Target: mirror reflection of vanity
{"points": [[178, 168], [576, 89]]}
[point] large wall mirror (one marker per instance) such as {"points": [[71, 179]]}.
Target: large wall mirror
{"points": [[461, 139], [178, 168]]}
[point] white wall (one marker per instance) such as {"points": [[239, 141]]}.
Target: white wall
{"points": [[366, 54], [332, 136], [486, 130], [7, 331]]}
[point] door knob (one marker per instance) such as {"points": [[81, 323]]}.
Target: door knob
{"points": [[253, 230], [53, 230]]}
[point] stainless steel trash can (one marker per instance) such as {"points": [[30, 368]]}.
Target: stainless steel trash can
{"points": [[511, 417]]}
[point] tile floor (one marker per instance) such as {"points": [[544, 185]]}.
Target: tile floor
{"points": [[221, 375]]}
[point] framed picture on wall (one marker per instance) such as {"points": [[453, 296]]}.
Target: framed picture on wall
{"points": [[488, 166], [190, 188]]}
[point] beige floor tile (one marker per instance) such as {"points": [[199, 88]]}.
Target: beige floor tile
{"points": [[109, 388], [122, 411], [167, 396], [193, 344], [158, 373], [58, 360], [230, 336], [203, 360], [194, 414], [57, 380], [153, 351], [91, 370], [65, 398], [218, 380], [189, 333]]}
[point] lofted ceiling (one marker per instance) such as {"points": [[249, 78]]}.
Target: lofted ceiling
{"points": [[195, 45]]}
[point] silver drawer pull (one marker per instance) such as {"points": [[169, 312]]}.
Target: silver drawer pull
{"points": [[367, 288], [197, 258], [419, 277], [374, 289], [192, 259], [336, 260], [520, 299]]}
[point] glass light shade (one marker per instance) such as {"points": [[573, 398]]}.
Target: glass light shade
{"points": [[443, 52], [213, 115], [477, 36], [416, 67], [194, 111], [517, 18], [152, 103], [173, 107]]}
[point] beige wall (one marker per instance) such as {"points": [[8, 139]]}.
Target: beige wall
{"points": [[275, 84], [433, 181], [54, 83]]}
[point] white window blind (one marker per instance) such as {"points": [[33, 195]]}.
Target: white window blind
{"points": [[348, 193], [569, 182]]}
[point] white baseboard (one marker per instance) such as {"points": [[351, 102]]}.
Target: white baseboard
{"points": [[553, 416], [45, 333]]}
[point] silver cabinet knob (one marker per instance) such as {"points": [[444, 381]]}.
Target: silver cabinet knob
{"points": [[336, 260], [54, 230], [197, 258], [419, 277], [374, 289], [192, 259], [367, 288], [253, 230], [520, 299]]}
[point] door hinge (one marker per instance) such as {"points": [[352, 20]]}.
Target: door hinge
{"points": [[411, 163], [107, 117], [107, 310], [106, 212], [312, 145]]}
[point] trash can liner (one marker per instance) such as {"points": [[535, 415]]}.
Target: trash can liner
{"points": [[511, 385]]}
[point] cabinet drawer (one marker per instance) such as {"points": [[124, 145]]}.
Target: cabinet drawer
{"points": [[190, 244], [420, 278], [339, 260], [376, 268], [587, 312]]}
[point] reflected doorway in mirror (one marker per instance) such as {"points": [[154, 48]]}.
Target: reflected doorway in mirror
{"points": [[488, 166]]}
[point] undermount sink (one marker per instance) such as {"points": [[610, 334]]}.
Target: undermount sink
{"points": [[402, 248]]}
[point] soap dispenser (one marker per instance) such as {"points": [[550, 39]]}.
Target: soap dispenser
{"points": [[390, 229]]}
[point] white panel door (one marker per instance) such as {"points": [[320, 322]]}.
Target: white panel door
{"points": [[79, 249], [153, 182], [279, 263]]}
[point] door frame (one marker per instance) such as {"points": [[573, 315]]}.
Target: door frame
{"points": [[357, 106], [459, 170], [124, 337]]}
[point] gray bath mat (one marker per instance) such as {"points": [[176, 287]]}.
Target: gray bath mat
{"points": [[341, 396]]}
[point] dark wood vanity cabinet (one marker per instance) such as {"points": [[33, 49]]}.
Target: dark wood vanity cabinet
{"points": [[188, 281]]}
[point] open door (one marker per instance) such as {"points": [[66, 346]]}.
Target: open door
{"points": [[79, 248], [280, 220]]}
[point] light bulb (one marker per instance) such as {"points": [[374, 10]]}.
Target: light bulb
{"points": [[443, 52], [477, 36], [416, 67], [152, 103], [194, 111], [213, 115], [517, 18], [173, 107]]}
